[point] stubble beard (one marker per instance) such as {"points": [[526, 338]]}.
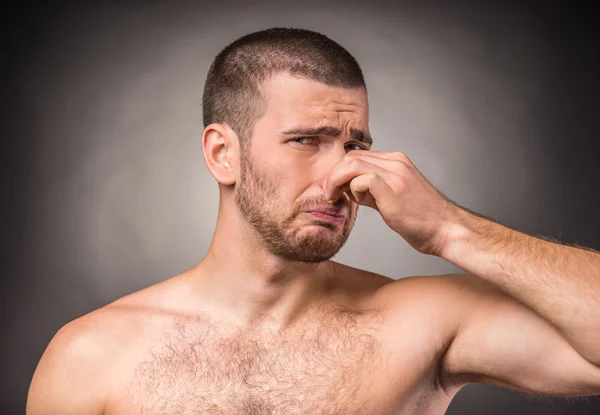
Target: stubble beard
{"points": [[256, 198]]}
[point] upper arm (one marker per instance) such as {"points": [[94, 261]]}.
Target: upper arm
{"points": [[500, 341], [66, 379]]}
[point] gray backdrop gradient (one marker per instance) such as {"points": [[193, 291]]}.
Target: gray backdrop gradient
{"points": [[109, 193]]}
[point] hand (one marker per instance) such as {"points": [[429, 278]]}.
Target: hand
{"points": [[391, 184]]}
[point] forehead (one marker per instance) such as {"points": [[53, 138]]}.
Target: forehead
{"points": [[292, 100]]}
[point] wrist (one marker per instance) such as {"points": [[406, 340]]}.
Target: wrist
{"points": [[455, 234]]}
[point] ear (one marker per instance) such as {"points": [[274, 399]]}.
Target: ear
{"points": [[219, 144]]}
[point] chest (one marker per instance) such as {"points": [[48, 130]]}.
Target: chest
{"points": [[325, 368]]}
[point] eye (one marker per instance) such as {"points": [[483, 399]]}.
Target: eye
{"points": [[298, 139], [359, 147]]}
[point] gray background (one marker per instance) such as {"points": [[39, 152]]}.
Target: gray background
{"points": [[108, 192]]}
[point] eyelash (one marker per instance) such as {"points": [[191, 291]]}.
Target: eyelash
{"points": [[302, 138]]}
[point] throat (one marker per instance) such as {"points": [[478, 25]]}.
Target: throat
{"points": [[261, 304]]}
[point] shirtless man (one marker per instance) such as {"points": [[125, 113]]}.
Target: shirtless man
{"points": [[266, 323]]}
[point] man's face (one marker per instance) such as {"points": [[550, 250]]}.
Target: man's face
{"points": [[284, 172]]}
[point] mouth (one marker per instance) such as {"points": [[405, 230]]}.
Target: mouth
{"points": [[327, 217]]}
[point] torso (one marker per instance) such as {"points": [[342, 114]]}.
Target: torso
{"points": [[337, 359]]}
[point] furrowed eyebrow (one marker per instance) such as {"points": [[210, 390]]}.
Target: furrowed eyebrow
{"points": [[357, 135]]}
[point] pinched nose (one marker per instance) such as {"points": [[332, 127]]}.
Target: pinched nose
{"points": [[334, 158]]}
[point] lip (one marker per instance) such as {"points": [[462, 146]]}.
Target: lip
{"points": [[328, 215], [331, 211]]}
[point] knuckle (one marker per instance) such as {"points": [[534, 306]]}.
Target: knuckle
{"points": [[401, 167], [400, 156], [351, 155], [355, 161]]}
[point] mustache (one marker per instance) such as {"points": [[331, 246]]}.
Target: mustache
{"points": [[342, 202]]}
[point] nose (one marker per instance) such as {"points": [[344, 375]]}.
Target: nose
{"points": [[329, 161]]}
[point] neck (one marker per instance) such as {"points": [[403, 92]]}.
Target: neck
{"points": [[246, 283]]}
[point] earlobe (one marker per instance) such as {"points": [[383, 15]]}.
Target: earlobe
{"points": [[217, 149]]}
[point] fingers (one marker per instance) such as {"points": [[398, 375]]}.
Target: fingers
{"points": [[383, 155], [347, 171], [367, 188]]}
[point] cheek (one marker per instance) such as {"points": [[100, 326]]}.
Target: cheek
{"points": [[274, 181], [291, 175], [296, 162], [303, 171]]}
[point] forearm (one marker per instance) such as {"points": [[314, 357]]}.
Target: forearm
{"points": [[561, 283]]}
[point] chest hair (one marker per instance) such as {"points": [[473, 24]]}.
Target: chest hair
{"points": [[320, 366]]}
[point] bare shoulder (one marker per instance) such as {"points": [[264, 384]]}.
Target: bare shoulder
{"points": [[71, 376], [441, 300], [433, 309], [421, 316], [399, 294], [424, 308], [81, 364], [434, 287]]}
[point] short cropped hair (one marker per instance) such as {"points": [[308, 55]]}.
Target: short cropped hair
{"points": [[233, 88]]}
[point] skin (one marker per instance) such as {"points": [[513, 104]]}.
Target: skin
{"points": [[268, 323]]}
